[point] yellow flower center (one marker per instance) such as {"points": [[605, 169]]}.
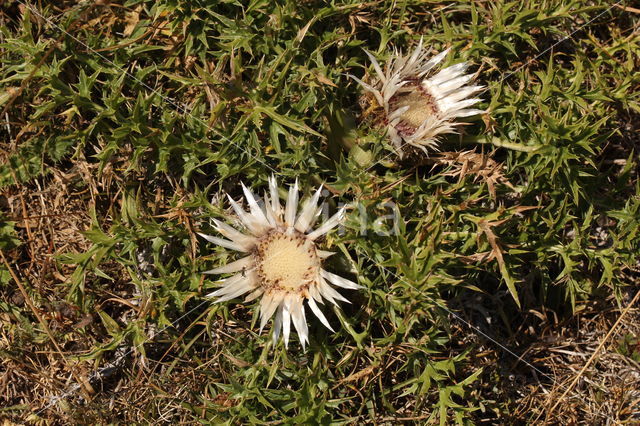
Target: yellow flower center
{"points": [[286, 261], [421, 107]]}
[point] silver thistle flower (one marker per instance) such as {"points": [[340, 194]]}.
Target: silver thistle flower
{"points": [[282, 265], [420, 105]]}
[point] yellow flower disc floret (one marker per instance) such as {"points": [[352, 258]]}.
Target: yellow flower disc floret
{"points": [[287, 261]]}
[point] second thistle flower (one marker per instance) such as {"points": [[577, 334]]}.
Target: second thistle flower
{"points": [[419, 104]]}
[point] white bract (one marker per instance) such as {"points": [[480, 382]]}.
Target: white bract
{"points": [[419, 104], [282, 264]]}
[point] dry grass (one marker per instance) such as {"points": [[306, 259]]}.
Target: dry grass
{"points": [[552, 352], [608, 392]]}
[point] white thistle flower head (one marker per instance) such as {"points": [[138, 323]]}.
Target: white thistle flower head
{"points": [[282, 264], [419, 104]]}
